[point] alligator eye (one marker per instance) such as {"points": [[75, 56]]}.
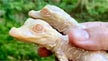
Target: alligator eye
{"points": [[37, 28]]}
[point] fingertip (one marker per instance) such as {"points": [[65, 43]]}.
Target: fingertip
{"points": [[80, 38], [70, 37], [77, 35]]}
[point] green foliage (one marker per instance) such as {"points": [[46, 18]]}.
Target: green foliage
{"points": [[15, 12]]}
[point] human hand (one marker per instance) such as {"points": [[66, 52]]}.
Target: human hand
{"points": [[94, 37]]}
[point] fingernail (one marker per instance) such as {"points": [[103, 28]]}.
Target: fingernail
{"points": [[80, 34]]}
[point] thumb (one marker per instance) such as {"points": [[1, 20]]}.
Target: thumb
{"points": [[80, 38]]}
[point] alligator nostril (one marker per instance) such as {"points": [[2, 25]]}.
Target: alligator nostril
{"points": [[38, 28]]}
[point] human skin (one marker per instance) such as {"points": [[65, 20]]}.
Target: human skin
{"points": [[93, 37]]}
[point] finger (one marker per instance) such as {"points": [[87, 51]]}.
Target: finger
{"points": [[80, 38], [43, 52], [78, 35]]}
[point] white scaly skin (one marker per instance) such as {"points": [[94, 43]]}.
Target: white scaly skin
{"points": [[56, 18], [60, 20], [41, 33]]}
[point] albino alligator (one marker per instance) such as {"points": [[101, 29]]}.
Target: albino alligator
{"points": [[41, 33]]}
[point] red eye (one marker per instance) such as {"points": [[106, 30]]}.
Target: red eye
{"points": [[38, 28]]}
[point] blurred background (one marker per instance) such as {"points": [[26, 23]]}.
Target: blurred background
{"points": [[15, 12]]}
